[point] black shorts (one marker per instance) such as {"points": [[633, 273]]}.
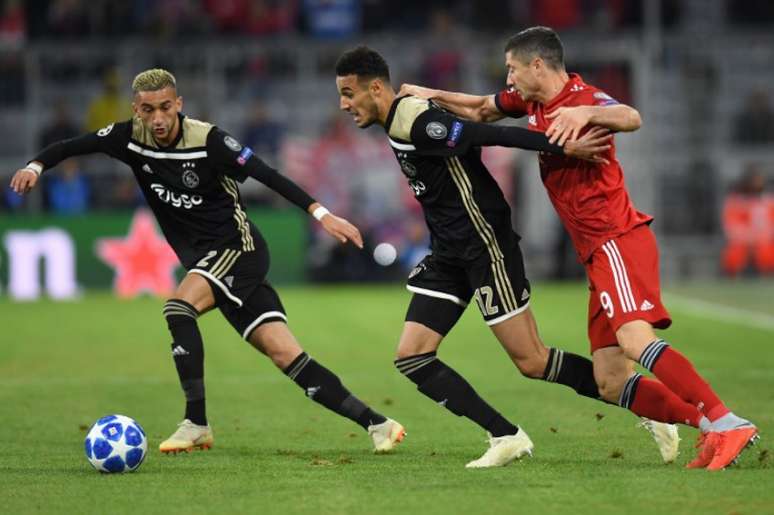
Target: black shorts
{"points": [[500, 288], [242, 293]]}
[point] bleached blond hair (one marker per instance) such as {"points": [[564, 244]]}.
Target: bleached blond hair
{"points": [[153, 80]]}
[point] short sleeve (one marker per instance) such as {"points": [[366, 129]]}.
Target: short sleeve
{"points": [[510, 103]]}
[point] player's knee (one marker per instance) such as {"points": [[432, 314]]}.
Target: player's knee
{"points": [[408, 349], [633, 337], [415, 343], [277, 342]]}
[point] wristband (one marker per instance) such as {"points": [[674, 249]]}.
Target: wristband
{"points": [[34, 167], [320, 212]]}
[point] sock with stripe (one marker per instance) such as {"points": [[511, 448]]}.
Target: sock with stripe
{"points": [[677, 373], [449, 389], [650, 399], [188, 353], [324, 387], [571, 370]]}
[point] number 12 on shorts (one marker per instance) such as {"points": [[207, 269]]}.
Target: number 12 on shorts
{"points": [[484, 297]]}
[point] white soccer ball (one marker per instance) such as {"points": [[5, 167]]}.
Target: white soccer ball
{"points": [[116, 443], [385, 254]]}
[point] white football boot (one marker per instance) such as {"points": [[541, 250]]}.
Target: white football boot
{"points": [[503, 450], [666, 438], [386, 435], [188, 437]]}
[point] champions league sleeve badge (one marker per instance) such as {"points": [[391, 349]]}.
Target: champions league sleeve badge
{"points": [[436, 130], [232, 143]]}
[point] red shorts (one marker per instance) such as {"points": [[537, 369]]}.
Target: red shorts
{"points": [[624, 284]]}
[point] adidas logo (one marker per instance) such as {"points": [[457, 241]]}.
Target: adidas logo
{"points": [[311, 391], [524, 294], [229, 280], [646, 306], [180, 351], [147, 169], [443, 403]]}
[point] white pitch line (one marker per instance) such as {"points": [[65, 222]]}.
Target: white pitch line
{"points": [[715, 311]]}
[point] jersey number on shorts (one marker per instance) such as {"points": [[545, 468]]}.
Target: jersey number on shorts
{"points": [[607, 303], [205, 261], [484, 297]]}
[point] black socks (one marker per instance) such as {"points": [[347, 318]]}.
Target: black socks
{"points": [[449, 389], [188, 353], [571, 370], [324, 387]]}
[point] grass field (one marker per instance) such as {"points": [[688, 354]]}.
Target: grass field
{"points": [[64, 365]]}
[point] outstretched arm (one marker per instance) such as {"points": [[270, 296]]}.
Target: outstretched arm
{"points": [[107, 140], [437, 133], [478, 108], [336, 226], [242, 163], [567, 122]]}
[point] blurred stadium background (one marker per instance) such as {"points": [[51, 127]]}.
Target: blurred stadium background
{"points": [[699, 71]]}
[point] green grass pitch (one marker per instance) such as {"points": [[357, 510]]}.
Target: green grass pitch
{"points": [[63, 365]]}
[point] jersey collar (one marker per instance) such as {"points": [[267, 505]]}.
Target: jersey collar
{"points": [[391, 113]]}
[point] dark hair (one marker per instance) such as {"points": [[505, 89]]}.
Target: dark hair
{"points": [[540, 42], [363, 62]]}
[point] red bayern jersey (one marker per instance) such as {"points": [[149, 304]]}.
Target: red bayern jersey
{"points": [[590, 198]]}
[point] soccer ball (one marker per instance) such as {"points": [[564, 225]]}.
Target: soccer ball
{"points": [[116, 444]]}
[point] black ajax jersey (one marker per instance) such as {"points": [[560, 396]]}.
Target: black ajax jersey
{"points": [[191, 186], [463, 205]]}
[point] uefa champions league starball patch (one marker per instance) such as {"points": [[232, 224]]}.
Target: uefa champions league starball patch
{"points": [[232, 143], [436, 130]]}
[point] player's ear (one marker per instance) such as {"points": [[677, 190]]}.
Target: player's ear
{"points": [[179, 103], [375, 87]]}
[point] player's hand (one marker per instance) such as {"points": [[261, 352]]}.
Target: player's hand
{"points": [[590, 145], [567, 123], [417, 91], [341, 229], [24, 180]]}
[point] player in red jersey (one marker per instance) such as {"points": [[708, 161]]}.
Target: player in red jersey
{"points": [[613, 241]]}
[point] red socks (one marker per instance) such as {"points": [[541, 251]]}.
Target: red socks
{"points": [[653, 400], [679, 376]]}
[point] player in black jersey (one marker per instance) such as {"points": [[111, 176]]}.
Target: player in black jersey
{"points": [[475, 252], [188, 171]]}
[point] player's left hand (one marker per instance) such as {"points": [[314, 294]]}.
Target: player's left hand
{"points": [[341, 229], [588, 147], [567, 123]]}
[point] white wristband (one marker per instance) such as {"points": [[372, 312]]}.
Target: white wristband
{"points": [[320, 212], [34, 167]]}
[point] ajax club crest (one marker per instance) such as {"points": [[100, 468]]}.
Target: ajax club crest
{"points": [[190, 178]]}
